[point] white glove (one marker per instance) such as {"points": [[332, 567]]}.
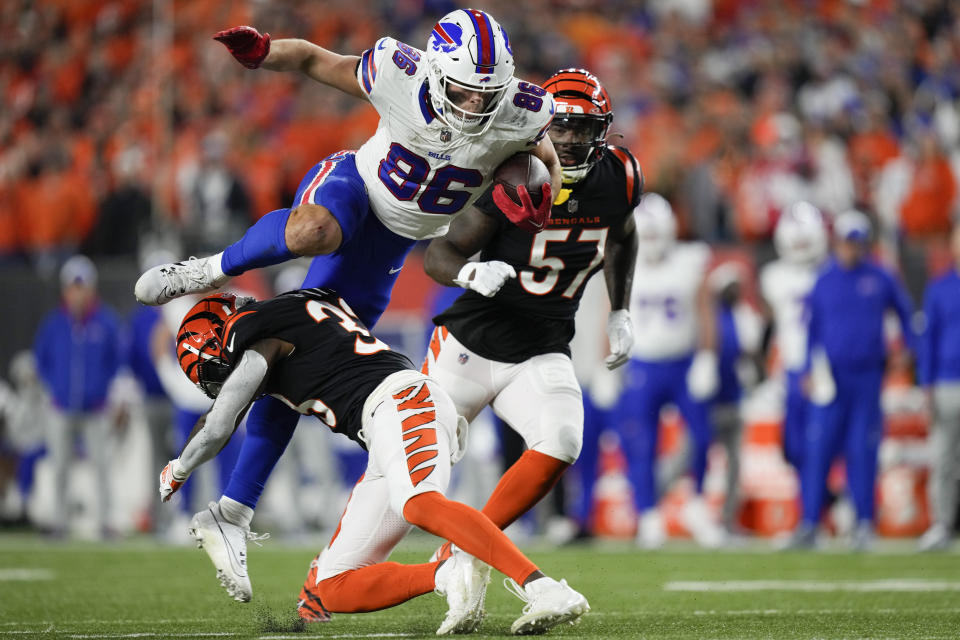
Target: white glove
{"points": [[172, 478], [620, 334], [823, 389], [462, 432], [485, 278], [703, 377]]}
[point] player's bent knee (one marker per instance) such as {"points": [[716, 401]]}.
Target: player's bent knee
{"points": [[420, 509], [312, 231], [563, 443]]}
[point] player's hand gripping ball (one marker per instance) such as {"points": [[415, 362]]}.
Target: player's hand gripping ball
{"points": [[522, 191]]}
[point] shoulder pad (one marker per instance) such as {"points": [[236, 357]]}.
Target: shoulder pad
{"points": [[634, 176]]}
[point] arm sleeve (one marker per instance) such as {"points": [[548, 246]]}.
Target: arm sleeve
{"points": [[633, 175], [371, 61], [927, 353], [237, 392]]}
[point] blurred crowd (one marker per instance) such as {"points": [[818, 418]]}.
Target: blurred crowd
{"points": [[124, 122], [125, 128]]}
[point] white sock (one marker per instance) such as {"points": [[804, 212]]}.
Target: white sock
{"points": [[216, 267], [235, 512]]}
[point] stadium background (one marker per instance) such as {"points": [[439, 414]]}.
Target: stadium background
{"points": [[126, 128]]}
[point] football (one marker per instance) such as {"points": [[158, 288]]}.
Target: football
{"points": [[526, 169]]}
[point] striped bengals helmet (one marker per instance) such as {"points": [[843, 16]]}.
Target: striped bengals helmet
{"points": [[200, 342], [584, 108]]}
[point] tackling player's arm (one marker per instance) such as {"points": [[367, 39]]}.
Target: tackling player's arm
{"points": [[448, 258], [213, 429]]}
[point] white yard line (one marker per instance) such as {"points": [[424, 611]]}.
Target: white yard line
{"points": [[300, 636], [26, 575], [813, 585]]}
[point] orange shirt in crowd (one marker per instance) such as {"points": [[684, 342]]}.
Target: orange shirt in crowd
{"points": [[927, 207]]}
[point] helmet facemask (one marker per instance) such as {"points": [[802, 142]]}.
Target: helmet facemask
{"points": [[468, 123], [580, 142]]}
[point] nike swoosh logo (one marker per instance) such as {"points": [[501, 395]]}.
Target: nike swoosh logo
{"points": [[382, 45], [393, 271], [230, 344]]}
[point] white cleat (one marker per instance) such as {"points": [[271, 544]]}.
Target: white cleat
{"points": [[163, 283], [698, 520], [936, 538], [463, 580], [226, 544], [549, 603], [651, 530]]}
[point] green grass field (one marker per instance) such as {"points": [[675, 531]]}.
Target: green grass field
{"points": [[141, 590]]}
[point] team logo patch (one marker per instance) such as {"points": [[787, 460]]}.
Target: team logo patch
{"points": [[462, 358], [446, 37], [445, 135], [572, 205]]}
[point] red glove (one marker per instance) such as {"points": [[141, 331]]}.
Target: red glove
{"points": [[525, 216], [246, 44]]}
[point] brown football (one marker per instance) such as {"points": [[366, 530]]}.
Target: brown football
{"points": [[526, 169]]}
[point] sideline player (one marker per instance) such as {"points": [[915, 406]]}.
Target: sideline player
{"points": [[505, 342], [673, 360], [801, 241], [308, 349], [449, 116]]}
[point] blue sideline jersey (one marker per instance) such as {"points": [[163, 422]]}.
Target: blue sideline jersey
{"points": [[939, 356], [846, 312], [138, 357], [78, 358]]}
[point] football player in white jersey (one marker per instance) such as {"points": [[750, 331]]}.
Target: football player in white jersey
{"points": [[449, 115], [801, 242], [673, 361]]}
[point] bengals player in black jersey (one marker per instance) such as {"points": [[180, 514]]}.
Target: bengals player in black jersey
{"points": [[308, 349], [505, 341]]}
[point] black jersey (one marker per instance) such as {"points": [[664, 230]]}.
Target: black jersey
{"points": [[534, 312], [335, 364]]}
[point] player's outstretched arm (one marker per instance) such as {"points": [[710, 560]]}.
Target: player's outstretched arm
{"points": [[253, 49], [326, 67], [448, 258], [620, 258]]}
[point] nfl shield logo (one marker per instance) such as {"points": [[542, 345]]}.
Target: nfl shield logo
{"points": [[445, 135], [462, 358], [572, 205]]}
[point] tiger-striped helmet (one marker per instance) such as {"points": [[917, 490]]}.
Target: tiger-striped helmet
{"points": [[584, 107], [200, 342]]}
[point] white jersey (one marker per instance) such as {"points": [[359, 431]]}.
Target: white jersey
{"points": [[785, 286], [418, 172], [663, 303]]}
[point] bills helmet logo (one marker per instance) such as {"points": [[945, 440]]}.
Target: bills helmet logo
{"points": [[446, 37]]}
